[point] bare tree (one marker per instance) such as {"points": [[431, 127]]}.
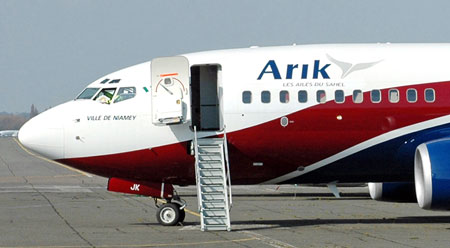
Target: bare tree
{"points": [[33, 111]]}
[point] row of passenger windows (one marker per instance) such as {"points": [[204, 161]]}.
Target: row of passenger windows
{"points": [[339, 96]]}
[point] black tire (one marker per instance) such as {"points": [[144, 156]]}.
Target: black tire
{"points": [[168, 214], [182, 215]]}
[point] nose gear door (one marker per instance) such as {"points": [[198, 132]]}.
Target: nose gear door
{"points": [[170, 90]]}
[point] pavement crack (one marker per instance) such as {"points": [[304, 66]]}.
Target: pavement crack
{"points": [[388, 240], [61, 216], [233, 241], [267, 240], [7, 166]]}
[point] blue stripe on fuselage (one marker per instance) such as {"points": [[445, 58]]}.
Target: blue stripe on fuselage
{"points": [[390, 161]]}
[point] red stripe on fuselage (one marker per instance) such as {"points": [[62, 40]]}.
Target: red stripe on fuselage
{"points": [[313, 134]]}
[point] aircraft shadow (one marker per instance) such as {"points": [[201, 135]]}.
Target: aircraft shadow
{"points": [[260, 224], [247, 225]]}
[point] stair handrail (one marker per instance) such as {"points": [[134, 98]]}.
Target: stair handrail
{"points": [[197, 180], [228, 165]]}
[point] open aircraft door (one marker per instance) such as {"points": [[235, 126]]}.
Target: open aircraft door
{"points": [[170, 90]]}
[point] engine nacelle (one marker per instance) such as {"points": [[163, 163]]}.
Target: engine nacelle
{"points": [[432, 174], [392, 192]]}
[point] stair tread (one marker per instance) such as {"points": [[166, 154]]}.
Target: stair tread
{"points": [[211, 204], [206, 140], [211, 160], [214, 201], [209, 153], [213, 177], [205, 170], [211, 169], [209, 145], [215, 206], [218, 200]]}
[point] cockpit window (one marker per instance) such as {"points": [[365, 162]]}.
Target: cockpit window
{"points": [[125, 93], [105, 95], [88, 93], [115, 81]]}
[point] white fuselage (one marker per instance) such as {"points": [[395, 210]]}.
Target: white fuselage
{"points": [[84, 128]]}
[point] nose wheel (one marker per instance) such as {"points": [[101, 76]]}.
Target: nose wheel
{"points": [[171, 213], [168, 214]]}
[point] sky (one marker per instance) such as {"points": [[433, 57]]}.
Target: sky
{"points": [[50, 50]]}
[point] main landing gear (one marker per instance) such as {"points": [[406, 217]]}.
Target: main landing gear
{"points": [[172, 212]]}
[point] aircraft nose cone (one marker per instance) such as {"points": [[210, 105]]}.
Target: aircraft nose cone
{"points": [[44, 134]]}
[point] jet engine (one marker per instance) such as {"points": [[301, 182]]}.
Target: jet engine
{"points": [[392, 191], [432, 174]]}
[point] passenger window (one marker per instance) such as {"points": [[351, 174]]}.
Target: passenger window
{"points": [[375, 96], [125, 93], [105, 95], [394, 96], [302, 96], [88, 93], [247, 96], [321, 96], [357, 96], [284, 96], [265, 96], [429, 95], [339, 96], [411, 95]]}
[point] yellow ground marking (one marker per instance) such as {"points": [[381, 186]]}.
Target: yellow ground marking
{"points": [[51, 161], [185, 209], [145, 245]]}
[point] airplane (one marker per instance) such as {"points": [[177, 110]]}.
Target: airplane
{"points": [[300, 114], [9, 133]]}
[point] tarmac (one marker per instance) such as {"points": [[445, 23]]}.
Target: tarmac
{"points": [[45, 204]]}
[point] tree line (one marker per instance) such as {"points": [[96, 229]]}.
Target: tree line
{"points": [[9, 121]]}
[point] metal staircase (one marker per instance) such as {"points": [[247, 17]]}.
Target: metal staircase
{"points": [[213, 183]]}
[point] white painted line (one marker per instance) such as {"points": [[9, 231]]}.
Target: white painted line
{"points": [[47, 189], [270, 241]]}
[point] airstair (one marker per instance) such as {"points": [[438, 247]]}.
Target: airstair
{"points": [[213, 183]]}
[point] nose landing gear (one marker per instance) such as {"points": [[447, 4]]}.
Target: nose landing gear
{"points": [[172, 212]]}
